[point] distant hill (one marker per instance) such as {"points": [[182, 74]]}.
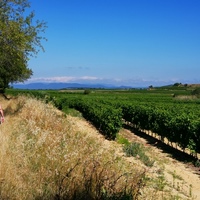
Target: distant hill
{"points": [[180, 86], [56, 86]]}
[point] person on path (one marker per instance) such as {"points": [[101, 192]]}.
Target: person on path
{"points": [[1, 115]]}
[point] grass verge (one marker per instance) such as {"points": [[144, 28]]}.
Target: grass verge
{"points": [[44, 156]]}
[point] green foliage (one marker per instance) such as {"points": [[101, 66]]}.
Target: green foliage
{"points": [[19, 39], [160, 183], [87, 91], [177, 123], [155, 111], [177, 84], [122, 140], [72, 112], [106, 118], [197, 163], [137, 150], [133, 149]]}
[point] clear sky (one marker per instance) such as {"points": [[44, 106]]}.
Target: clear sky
{"points": [[119, 42]]}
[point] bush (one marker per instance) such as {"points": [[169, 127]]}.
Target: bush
{"points": [[87, 91], [197, 163], [137, 150], [122, 140]]}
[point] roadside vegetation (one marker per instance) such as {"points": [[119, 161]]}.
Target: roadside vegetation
{"points": [[44, 156], [136, 150]]}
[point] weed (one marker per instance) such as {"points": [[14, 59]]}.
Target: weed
{"points": [[72, 112], [161, 183], [190, 190], [137, 150], [121, 140], [197, 163]]}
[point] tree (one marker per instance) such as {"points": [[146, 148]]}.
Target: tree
{"points": [[177, 84], [19, 40], [150, 87]]}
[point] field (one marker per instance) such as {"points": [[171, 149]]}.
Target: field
{"points": [[126, 129], [172, 112]]}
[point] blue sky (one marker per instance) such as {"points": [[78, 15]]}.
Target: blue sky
{"points": [[119, 42]]}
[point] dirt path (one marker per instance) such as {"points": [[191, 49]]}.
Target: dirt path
{"points": [[182, 178]]}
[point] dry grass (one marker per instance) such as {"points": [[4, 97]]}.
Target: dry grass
{"points": [[43, 155]]}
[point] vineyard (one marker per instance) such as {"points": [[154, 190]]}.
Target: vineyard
{"points": [[156, 111]]}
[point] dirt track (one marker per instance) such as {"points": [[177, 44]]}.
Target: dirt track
{"points": [[180, 174]]}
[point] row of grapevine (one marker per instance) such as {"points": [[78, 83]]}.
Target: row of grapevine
{"points": [[178, 127], [179, 122], [106, 118], [175, 122]]}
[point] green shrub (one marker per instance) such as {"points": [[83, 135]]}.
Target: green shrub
{"points": [[137, 150], [122, 140], [87, 91], [197, 163]]}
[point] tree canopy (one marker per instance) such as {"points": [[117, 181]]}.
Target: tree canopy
{"points": [[19, 40]]}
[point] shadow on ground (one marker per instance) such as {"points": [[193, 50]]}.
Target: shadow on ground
{"points": [[177, 154]]}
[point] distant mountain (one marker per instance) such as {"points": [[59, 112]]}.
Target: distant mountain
{"points": [[56, 86]]}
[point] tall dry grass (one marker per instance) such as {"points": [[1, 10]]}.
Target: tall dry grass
{"points": [[44, 156]]}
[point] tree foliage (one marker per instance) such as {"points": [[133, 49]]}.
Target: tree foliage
{"points": [[19, 40]]}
